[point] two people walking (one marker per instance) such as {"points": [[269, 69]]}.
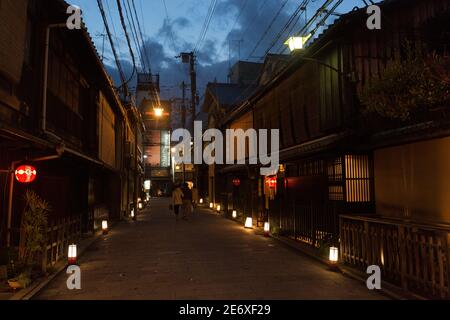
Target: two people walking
{"points": [[182, 199]]}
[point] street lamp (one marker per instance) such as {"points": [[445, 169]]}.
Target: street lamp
{"points": [[159, 112], [297, 43]]}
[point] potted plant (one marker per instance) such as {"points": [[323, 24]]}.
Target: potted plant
{"points": [[32, 241]]}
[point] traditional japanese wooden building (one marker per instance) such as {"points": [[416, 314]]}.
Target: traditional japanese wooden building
{"points": [[368, 180], [59, 112]]}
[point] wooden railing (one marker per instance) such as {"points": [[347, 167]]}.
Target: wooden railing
{"points": [[60, 234], [316, 225], [412, 256]]}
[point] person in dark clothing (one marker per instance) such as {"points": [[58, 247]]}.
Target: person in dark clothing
{"points": [[187, 201]]}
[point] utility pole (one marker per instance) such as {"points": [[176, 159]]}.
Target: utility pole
{"points": [[193, 88], [183, 105], [183, 120], [189, 57]]}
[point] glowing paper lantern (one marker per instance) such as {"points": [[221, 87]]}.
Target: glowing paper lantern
{"points": [[201, 201], [105, 227], [334, 255], [25, 174], [234, 214], [211, 205], [218, 208], [249, 223], [271, 182], [236, 182], [72, 254], [266, 229]]}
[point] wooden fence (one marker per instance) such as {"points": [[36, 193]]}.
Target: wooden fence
{"points": [[60, 234], [413, 256], [316, 225]]}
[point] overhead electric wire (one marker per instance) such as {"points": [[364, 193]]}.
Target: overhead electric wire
{"points": [[211, 11], [311, 21], [144, 47], [134, 33], [289, 23], [113, 48], [268, 28], [254, 20], [122, 21]]}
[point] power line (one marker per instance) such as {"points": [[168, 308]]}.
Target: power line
{"points": [[210, 14], [317, 15], [134, 33], [113, 48], [122, 21], [268, 28], [147, 57], [289, 23]]}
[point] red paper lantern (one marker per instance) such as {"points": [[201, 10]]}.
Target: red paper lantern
{"points": [[272, 182], [25, 174], [236, 182]]}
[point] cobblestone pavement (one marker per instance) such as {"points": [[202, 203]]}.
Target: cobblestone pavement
{"points": [[207, 257]]}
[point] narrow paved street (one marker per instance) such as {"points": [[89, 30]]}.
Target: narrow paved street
{"points": [[207, 257]]}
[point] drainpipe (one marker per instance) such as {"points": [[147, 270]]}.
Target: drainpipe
{"points": [[45, 80]]}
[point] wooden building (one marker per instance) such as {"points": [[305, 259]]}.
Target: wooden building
{"points": [[60, 113], [377, 187]]}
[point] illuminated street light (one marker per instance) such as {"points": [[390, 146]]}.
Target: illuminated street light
{"points": [[159, 112], [297, 43]]}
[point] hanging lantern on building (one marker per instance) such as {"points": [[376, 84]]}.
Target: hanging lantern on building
{"points": [[218, 208], [140, 206], [211, 205], [271, 182], [201, 201], [25, 174], [132, 213], [236, 182], [234, 214], [72, 254]]}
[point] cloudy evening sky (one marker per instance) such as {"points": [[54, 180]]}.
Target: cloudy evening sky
{"points": [[177, 29]]}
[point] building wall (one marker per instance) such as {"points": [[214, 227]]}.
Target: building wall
{"points": [[412, 180], [13, 22], [107, 128]]}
